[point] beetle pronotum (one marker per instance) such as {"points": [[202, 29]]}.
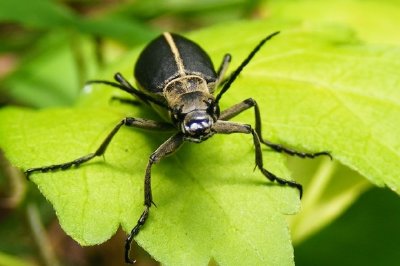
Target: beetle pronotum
{"points": [[177, 78]]}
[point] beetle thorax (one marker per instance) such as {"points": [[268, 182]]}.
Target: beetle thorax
{"points": [[182, 85], [192, 107]]}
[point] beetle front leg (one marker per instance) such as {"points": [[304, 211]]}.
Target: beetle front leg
{"points": [[167, 148], [249, 103], [128, 121], [226, 127]]}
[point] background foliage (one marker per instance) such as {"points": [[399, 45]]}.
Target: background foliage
{"points": [[49, 48]]}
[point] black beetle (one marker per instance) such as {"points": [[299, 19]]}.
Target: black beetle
{"points": [[177, 78]]}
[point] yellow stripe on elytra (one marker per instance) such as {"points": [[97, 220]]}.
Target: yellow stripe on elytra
{"points": [[175, 52]]}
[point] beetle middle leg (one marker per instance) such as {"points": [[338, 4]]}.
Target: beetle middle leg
{"points": [[251, 103], [167, 148], [227, 127], [128, 121]]}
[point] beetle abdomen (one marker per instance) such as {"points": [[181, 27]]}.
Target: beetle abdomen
{"points": [[170, 56]]}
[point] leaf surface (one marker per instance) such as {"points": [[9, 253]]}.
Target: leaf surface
{"points": [[317, 90]]}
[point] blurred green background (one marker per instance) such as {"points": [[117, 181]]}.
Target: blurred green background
{"points": [[55, 46]]}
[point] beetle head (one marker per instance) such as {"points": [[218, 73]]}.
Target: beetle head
{"points": [[192, 107], [195, 115]]}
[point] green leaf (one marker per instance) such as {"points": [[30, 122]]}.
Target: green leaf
{"points": [[343, 95], [9, 260], [49, 75], [193, 190], [375, 21], [333, 187], [318, 89], [330, 189]]}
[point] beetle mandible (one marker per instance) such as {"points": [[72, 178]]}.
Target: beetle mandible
{"points": [[177, 78]]}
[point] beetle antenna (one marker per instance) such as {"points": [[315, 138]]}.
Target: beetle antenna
{"points": [[236, 73]]}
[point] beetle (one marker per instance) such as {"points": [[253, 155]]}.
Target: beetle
{"points": [[176, 77]]}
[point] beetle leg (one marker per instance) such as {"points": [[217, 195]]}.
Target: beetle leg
{"points": [[124, 85], [249, 103], [128, 121], [125, 100], [167, 148], [226, 127], [127, 89]]}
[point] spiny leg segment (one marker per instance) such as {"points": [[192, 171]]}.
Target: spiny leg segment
{"points": [[251, 103], [227, 127], [165, 149], [128, 121], [230, 127]]}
